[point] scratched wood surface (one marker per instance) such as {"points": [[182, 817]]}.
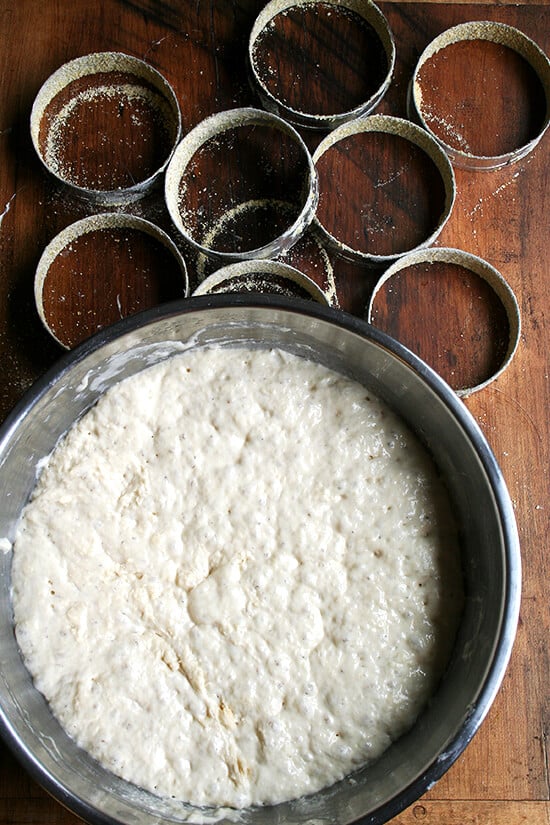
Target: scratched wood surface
{"points": [[501, 216]]}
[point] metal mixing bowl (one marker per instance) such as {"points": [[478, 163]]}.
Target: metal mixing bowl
{"points": [[487, 529]]}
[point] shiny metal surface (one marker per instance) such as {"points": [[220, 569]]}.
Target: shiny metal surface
{"points": [[212, 129], [371, 14], [84, 68], [494, 32], [483, 508]]}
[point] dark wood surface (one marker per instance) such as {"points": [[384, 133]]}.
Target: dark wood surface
{"points": [[501, 216]]}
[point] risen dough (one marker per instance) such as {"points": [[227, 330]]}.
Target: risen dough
{"points": [[237, 579]]}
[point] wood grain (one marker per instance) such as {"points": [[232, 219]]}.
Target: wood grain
{"points": [[475, 813], [502, 216]]}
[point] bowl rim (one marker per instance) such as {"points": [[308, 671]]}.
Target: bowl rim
{"points": [[503, 642]]}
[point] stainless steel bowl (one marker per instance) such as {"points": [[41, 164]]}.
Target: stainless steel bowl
{"points": [[488, 535]]}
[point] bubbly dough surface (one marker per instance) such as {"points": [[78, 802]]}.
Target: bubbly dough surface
{"points": [[237, 579]]}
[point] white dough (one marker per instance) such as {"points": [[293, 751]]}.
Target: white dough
{"points": [[237, 579]]}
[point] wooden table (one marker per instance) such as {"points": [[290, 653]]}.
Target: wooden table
{"points": [[501, 216]]}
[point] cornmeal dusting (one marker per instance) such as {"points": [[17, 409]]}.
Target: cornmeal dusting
{"points": [[238, 578]]}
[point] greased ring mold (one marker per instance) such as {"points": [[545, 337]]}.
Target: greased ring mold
{"points": [[379, 33], [265, 276], [72, 306], [195, 195], [414, 138], [483, 270], [105, 125], [441, 124]]}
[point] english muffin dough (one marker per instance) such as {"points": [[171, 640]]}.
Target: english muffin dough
{"points": [[237, 579]]}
